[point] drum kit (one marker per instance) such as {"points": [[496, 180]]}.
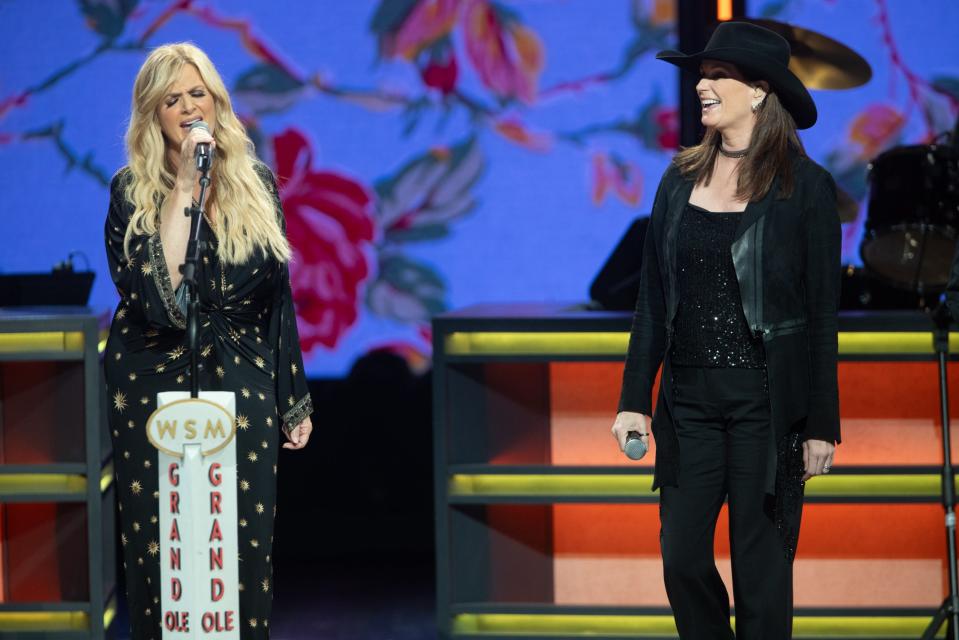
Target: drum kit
{"points": [[912, 224]]}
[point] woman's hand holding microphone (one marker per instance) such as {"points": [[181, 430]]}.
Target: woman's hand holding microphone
{"points": [[630, 427]]}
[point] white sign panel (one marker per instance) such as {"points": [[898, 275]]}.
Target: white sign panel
{"points": [[198, 514]]}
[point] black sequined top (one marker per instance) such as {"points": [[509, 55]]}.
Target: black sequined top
{"points": [[710, 328]]}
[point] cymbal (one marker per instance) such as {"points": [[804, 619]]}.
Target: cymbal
{"points": [[817, 60], [848, 207]]}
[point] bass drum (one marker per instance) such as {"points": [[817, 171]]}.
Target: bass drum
{"points": [[913, 222]]}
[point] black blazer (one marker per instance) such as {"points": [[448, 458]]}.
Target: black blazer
{"points": [[786, 254]]}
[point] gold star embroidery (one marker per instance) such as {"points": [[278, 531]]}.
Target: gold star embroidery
{"points": [[132, 376], [121, 314], [144, 400], [177, 352], [242, 422], [136, 527], [266, 587], [126, 455], [206, 350], [269, 421], [119, 401], [136, 487], [146, 464], [241, 522], [236, 360], [244, 485], [260, 362], [146, 268], [151, 333], [153, 548], [264, 444], [259, 507], [293, 368], [140, 561], [251, 456], [153, 519], [254, 543], [117, 356], [130, 424], [146, 611], [116, 434], [180, 379], [124, 331], [156, 495], [261, 396], [253, 623], [123, 539], [134, 296], [245, 392], [291, 401], [160, 368], [220, 372]]}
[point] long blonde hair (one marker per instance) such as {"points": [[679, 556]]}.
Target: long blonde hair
{"points": [[246, 212], [773, 141]]}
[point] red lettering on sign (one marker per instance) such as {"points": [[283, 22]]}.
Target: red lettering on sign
{"points": [[175, 559], [215, 533], [213, 622], [177, 620], [216, 559], [174, 502], [174, 531], [215, 477], [216, 589], [176, 589], [215, 499], [173, 475]]}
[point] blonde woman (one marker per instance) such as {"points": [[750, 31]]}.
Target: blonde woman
{"points": [[248, 338]]}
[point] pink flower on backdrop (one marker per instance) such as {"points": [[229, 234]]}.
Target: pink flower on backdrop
{"points": [[329, 222], [441, 73], [508, 57], [429, 21], [875, 128], [610, 174], [667, 123]]}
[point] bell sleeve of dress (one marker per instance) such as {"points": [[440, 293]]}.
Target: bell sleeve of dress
{"points": [[823, 247], [142, 279], [647, 336], [294, 404]]}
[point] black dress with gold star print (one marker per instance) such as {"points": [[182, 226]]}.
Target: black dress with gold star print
{"points": [[249, 345]]}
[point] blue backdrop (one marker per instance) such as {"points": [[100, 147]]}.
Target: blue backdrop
{"points": [[432, 153]]}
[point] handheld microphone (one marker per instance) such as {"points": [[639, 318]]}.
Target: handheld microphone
{"points": [[202, 153], [635, 448]]}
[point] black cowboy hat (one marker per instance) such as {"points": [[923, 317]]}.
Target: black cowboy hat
{"points": [[760, 54]]}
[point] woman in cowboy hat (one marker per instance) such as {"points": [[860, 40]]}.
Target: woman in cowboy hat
{"points": [[738, 302]]}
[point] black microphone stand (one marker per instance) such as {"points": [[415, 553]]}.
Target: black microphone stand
{"points": [[949, 611], [189, 270]]}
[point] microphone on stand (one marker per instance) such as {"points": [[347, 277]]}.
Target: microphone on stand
{"points": [[635, 448], [203, 153]]}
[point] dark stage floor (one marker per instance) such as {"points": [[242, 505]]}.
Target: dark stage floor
{"points": [[372, 599]]}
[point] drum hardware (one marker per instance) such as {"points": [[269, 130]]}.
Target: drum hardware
{"points": [[912, 225], [817, 60]]}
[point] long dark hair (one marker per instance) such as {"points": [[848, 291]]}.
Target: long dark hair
{"points": [[773, 141]]}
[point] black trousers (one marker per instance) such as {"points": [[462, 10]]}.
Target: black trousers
{"points": [[722, 420]]}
